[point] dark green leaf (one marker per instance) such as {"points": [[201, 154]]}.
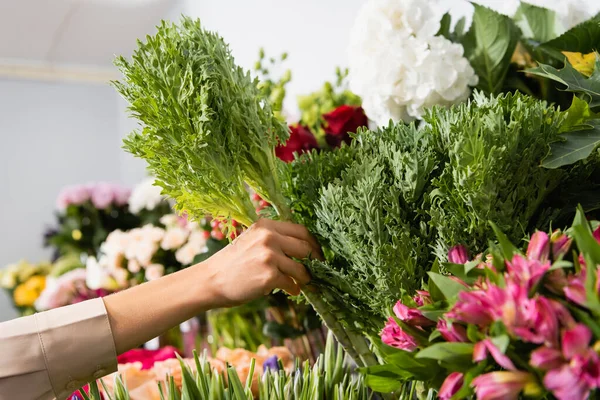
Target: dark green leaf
{"points": [[489, 45], [583, 38], [581, 135], [508, 249], [574, 81], [448, 286]]}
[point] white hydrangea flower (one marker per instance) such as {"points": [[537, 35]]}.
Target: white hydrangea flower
{"points": [[397, 64], [145, 196]]}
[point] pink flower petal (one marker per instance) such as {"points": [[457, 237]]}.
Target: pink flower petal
{"points": [[451, 385], [576, 340], [546, 358]]}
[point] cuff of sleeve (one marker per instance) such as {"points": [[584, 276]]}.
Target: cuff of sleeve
{"points": [[78, 345]]}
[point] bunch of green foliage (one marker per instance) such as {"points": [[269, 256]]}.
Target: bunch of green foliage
{"points": [[328, 379], [384, 208], [390, 204], [272, 89], [207, 130]]}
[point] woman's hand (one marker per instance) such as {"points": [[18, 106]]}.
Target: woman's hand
{"points": [[259, 261], [252, 266]]}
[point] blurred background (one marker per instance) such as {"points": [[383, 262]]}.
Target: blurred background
{"points": [[61, 123]]}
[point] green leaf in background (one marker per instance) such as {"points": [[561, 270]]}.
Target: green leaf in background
{"points": [[448, 286], [581, 137], [583, 38], [508, 249], [489, 45], [536, 23], [448, 352], [574, 80], [446, 28]]}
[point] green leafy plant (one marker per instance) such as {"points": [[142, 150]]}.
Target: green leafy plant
{"points": [[328, 379]]}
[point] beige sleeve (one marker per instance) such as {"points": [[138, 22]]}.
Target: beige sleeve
{"points": [[54, 353]]}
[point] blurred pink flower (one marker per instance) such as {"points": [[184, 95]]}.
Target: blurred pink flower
{"points": [[458, 254], [527, 271], [451, 385], [422, 297], [103, 194], [501, 385], [539, 247], [481, 350], [394, 336], [561, 244], [147, 358], [574, 371], [452, 333], [411, 316], [72, 195]]}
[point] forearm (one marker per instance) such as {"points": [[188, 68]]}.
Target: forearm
{"points": [[144, 312]]}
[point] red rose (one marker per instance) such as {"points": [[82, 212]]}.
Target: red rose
{"points": [[342, 120], [301, 140]]}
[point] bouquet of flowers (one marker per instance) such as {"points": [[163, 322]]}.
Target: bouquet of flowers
{"points": [[504, 324], [86, 214], [128, 258], [24, 282]]}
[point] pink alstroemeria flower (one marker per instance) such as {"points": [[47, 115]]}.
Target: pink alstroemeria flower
{"points": [[575, 371], [451, 385], [481, 350], [422, 297], [501, 385], [539, 247], [561, 244], [527, 272], [394, 336], [452, 332], [458, 254], [411, 316]]}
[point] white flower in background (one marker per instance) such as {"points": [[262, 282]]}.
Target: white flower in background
{"points": [[174, 238], [196, 245], [154, 271], [169, 220], [133, 266], [98, 276], [8, 277], [145, 196], [397, 64]]}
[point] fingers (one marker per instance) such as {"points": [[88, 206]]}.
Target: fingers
{"points": [[287, 284], [294, 269], [298, 248], [293, 230]]}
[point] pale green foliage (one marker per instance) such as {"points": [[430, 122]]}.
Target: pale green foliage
{"points": [[206, 127], [395, 200], [328, 379]]}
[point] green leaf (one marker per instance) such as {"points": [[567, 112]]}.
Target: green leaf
{"points": [[448, 286], [489, 45], [508, 249], [581, 135], [574, 80], [384, 378], [536, 23], [189, 389], [501, 342], [448, 352], [583, 38], [434, 290]]}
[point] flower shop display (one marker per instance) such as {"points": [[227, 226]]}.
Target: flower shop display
{"points": [[384, 207], [86, 214], [504, 324], [24, 282], [129, 258], [268, 374]]}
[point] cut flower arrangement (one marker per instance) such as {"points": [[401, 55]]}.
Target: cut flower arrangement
{"points": [[388, 207], [505, 323]]}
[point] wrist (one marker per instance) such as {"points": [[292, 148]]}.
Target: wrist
{"points": [[207, 293]]}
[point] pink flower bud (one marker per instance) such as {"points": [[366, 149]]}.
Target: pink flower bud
{"points": [[394, 336], [458, 255], [451, 386], [539, 247]]}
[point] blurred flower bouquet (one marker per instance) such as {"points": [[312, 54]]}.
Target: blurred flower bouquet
{"points": [[24, 282], [85, 216], [128, 258], [503, 325]]}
